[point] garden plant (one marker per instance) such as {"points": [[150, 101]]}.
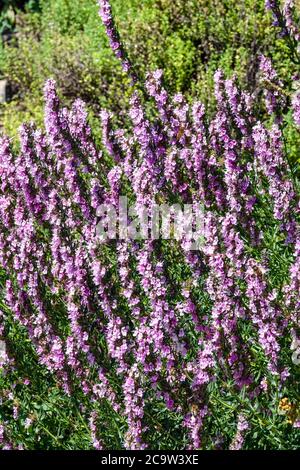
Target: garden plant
{"points": [[149, 342]]}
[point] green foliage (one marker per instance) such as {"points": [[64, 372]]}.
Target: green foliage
{"points": [[189, 40]]}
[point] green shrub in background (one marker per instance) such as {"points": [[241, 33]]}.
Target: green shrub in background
{"points": [[188, 39]]}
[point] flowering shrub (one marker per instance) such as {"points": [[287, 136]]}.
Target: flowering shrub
{"points": [[146, 343], [188, 39]]}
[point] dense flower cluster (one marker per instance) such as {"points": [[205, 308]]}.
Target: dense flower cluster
{"points": [[285, 17], [161, 343]]}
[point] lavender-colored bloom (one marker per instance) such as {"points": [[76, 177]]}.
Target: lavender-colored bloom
{"points": [[113, 36], [296, 108], [268, 148], [285, 17], [274, 98]]}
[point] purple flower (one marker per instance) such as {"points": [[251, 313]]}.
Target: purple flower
{"points": [[296, 108]]}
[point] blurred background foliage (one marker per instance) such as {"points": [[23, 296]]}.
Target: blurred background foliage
{"points": [[9, 10], [188, 39]]}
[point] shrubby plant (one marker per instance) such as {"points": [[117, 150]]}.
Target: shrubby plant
{"points": [[144, 343], [190, 40]]}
